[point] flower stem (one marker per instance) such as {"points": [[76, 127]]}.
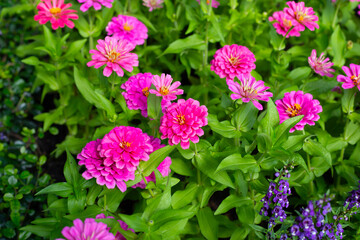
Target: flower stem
{"points": [[91, 39], [146, 183], [282, 41]]}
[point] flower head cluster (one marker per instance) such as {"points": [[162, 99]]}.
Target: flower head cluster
{"points": [[352, 78], [321, 65], [353, 201], [127, 28], [296, 16], [94, 3], [123, 225], [232, 60], [153, 4], [249, 90], [166, 89], [297, 103], [136, 92], [182, 122], [276, 199], [114, 159], [57, 12], [115, 54], [87, 230], [214, 3]]}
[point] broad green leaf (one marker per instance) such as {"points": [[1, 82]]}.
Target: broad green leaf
{"points": [[223, 128], [352, 133], [192, 42], [282, 131], [135, 222], [215, 24], [74, 49], [71, 171], [232, 201], [294, 143], [299, 74], [182, 198], [317, 149], [264, 142], [154, 106], [237, 162], [147, 167], [113, 198], [62, 189], [245, 117], [208, 224], [169, 215], [160, 202], [270, 120], [40, 230], [240, 233], [89, 212], [181, 167], [347, 100], [338, 45]]}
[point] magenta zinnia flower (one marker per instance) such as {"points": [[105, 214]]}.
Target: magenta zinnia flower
{"points": [[115, 54], [129, 28], [182, 121], [165, 89], [214, 3], [352, 78], [123, 225], [94, 3], [136, 91], [87, 230], [233, 60], [321, 65], [282, 23], [249, 90], [153, 4], [57, 12], [305, 16], [297, 103]]}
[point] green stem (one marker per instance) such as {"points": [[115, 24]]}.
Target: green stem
{"points": [[146, 183], [335, 16], [309, 167], [282, 41], [91, 39], [113, 77]]}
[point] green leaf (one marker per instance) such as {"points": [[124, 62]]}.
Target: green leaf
{"points": [[51, 43], [162, 217], [245, 117], [89, 212], [113, 198], [62, 189], [192, 42], [31, 61], [208, 225], [71, 171], [298, 74], [8, 197], [352, 133], [182, 198], [282, 131], [74, 49], [135, 222], [154, 106], [232, 201], [181, 167], [264, 142], [41, 231], [237, 162], [294, 143], [156, 158], [317, 149], [240, 233], [271, 119], [347, 100], [160, 202], [223, 128], [338, 45], [215, 24]]}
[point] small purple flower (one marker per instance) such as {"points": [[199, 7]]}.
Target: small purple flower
{"points": [[295, 230]]}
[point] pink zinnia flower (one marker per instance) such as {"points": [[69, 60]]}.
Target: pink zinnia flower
{"points": [[233, 60], [129, 28], [136, 91], [352, 78], [164, 166], [249, 90], [94, 3], [165, 89], [87, 230], [57, 12], [305, 16], [153, 4], [282, 23], [123, 225], [182, 121], [214, 3], [297, 103], [115, 54], [359, 10], [321, 65]]}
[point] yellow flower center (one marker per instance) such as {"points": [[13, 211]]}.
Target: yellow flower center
{"points": [[124, 144], [164, 90], [294, 110], [355, 79], [287, 23], [234, 60], [181, 119], [207, 1], [127, 27], [145, 91], [113, 56], [300, 16], [55, 10]]}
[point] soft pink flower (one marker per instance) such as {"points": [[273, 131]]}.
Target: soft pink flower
{"points": [[321, 65], [129, 28], [57, 12], [87, 230], [249, 90], [165, 89], [214, 3], [94, 3], [123, 225], [136, 91], [305, 16], [153, 4], [282, 23], [352, 78], [115, 54], [297, 103], [182, 121], [230, 61], [359, 10], [164, 166]]}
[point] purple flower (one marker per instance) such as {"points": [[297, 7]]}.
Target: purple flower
{"points": [[295, 230], [321, 65]]}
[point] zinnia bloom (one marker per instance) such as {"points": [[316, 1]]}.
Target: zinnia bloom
{"points": [[214, 3], [123, 225], [297, 103], [305, 16], [249, 90], [115, 54], [321, 65], [94, 3], [153, 4], [87, 230], [165, 89], [282, 23], [129, 28], [57, 12], [164, 166], [136, 91], [182, 121], [352, 78], [230, 61]]}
